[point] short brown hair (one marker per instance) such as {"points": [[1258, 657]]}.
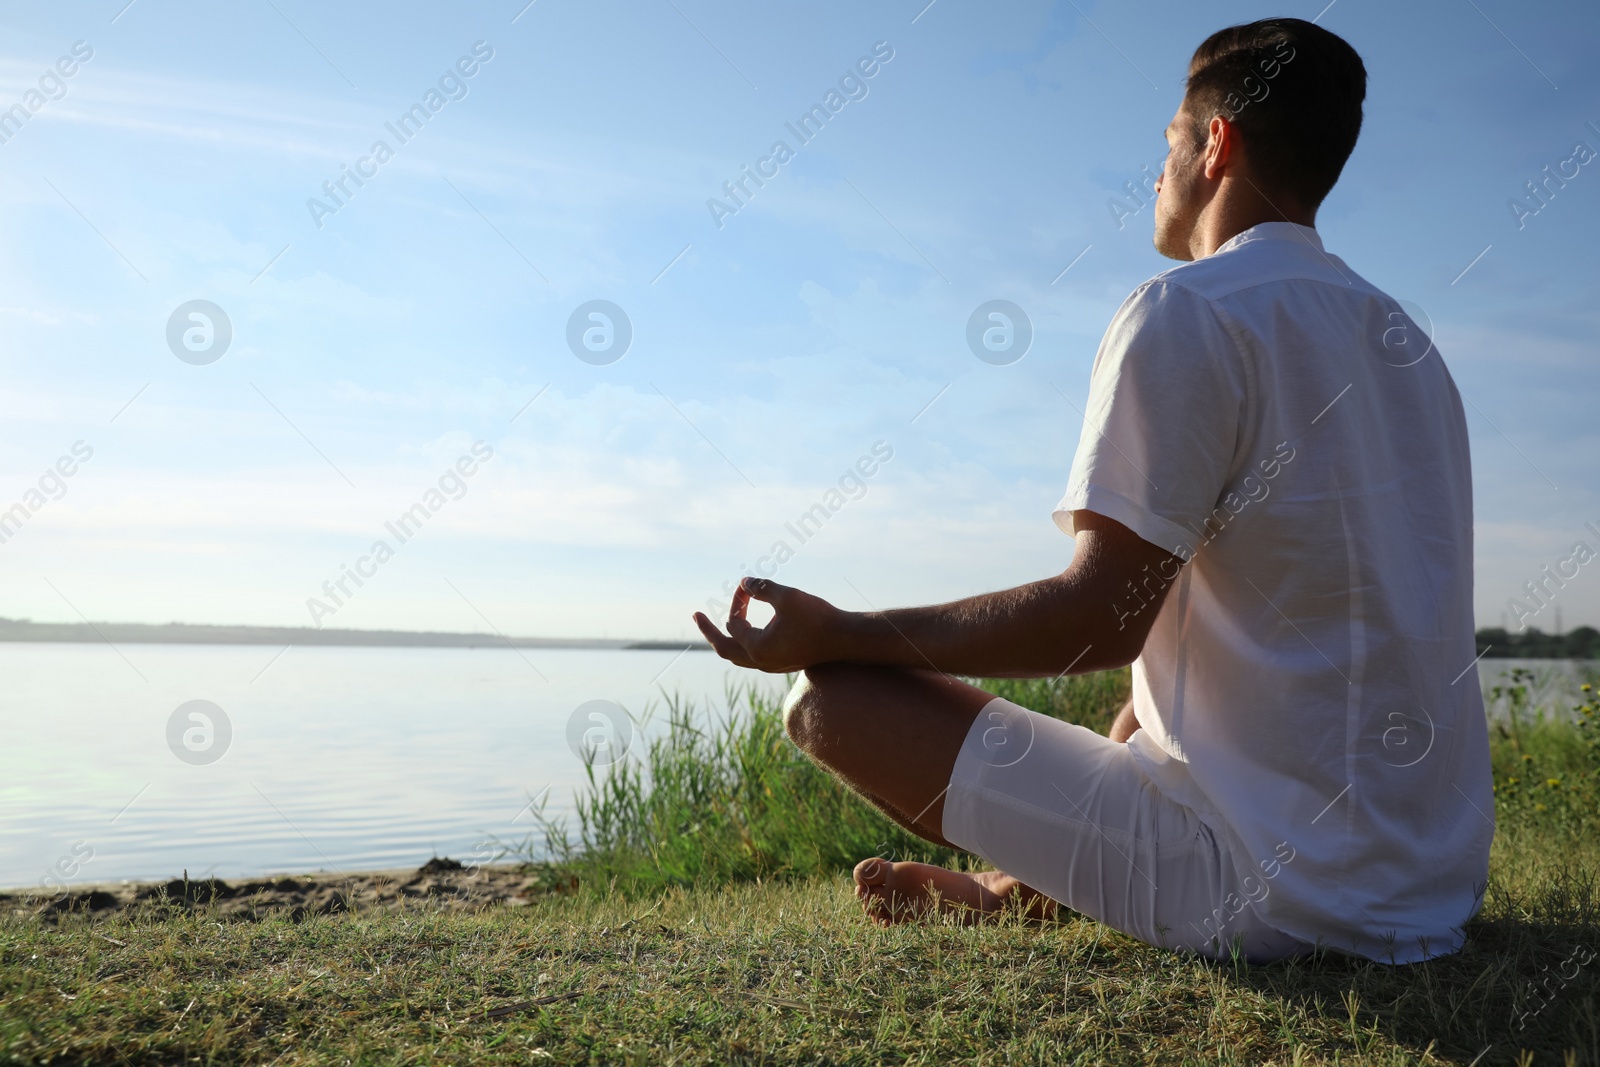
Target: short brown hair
{"points": [[1293, 90]]}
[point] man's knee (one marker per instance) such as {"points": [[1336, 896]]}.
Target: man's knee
{"points": [[815, 696]]}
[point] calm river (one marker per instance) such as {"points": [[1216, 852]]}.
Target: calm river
{"points": [[321, 758]]}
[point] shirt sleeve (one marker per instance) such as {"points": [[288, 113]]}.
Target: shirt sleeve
{"points": [[1161, 430]]}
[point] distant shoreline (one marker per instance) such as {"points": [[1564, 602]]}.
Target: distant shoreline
{"points": [[178, 633]]}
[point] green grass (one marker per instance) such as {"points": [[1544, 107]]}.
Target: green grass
{"points": [[1547, 766], [712, 924], [732, 800]]}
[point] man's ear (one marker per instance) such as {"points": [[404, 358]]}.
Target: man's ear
{"points": [[1222, 146]]}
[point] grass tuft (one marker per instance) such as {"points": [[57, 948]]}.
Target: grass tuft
{"points": [[731, 799], [714, 802]]}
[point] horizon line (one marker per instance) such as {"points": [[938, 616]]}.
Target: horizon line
{"points": [[21, 630]]}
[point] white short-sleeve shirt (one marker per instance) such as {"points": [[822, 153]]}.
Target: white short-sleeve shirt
{"points": [[1289, 432]]}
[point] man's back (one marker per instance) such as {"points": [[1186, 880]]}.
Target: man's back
{"points": [[1267, 414]]}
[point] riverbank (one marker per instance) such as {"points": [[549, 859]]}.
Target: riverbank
{"points": [[441, 884]]}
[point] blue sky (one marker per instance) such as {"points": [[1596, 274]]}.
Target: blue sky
{"points": [[769, 354]]}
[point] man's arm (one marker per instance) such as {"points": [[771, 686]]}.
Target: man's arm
{"points": [[1125, 724], [1093, 616]]}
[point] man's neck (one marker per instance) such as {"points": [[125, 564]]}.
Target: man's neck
{"points": [[1239, 205]]}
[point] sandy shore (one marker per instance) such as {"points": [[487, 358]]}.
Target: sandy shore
{"points": [[439, 884]]}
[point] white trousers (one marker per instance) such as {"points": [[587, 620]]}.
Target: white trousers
{"points": [[1070, 813]]}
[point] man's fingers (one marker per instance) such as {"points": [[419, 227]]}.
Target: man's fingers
{"points": [[724, 646], [763, 589], [739, 628], [709, 630]]}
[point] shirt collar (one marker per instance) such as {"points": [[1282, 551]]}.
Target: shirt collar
{"points": [[1273, 231]]}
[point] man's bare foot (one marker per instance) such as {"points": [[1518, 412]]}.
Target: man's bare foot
{"points": [[909, 892]]}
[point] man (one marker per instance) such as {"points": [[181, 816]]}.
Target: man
{"points": [[1273, 512]]}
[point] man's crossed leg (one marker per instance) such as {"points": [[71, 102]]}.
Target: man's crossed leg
{"points": [[1065, 814], [893, 735]]}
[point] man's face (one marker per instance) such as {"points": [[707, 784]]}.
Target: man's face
{"points": [[1179, 192]]}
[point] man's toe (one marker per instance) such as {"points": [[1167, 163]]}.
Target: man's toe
{"points": [[872, 872]]}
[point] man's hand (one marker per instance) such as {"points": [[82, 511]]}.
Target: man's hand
{"points": [[803, 630], [1093, 617]]}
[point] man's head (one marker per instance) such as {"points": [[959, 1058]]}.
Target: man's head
{"points": [[1272, 106]]}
